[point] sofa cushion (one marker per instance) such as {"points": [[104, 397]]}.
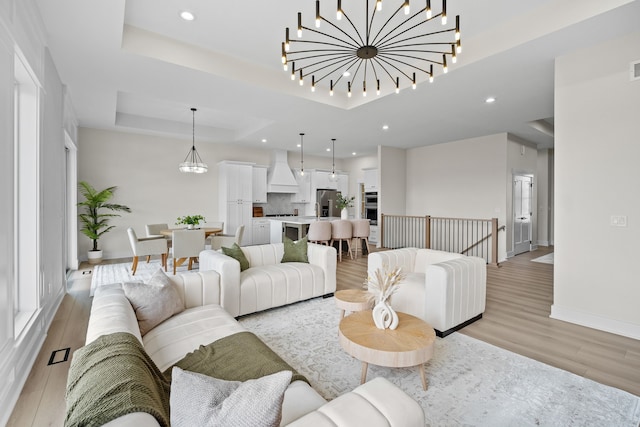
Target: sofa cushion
{"points": [[295, 251], [154, 301], [236, 253], [170, 341], [200, 400]]}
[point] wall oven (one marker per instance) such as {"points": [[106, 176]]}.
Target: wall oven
{"points": [[371, 207]]}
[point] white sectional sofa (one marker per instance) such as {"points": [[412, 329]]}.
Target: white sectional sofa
{"points": [[267, 282], [447, 290], [376, 403]]}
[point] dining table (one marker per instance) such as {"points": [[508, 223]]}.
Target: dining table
{"points": [[208, 231]]}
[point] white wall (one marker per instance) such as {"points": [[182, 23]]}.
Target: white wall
{"points": [[392, 176], [543, 192], [597, 129], [20, 28], [460, 179]]}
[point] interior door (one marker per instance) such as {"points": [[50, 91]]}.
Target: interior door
{"points": [[522, 211]]}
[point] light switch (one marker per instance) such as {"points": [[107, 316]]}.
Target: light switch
{"points": [[619, 220]]}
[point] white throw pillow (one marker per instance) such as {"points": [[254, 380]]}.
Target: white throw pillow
{"points": [[201, 400], [154, 301]]}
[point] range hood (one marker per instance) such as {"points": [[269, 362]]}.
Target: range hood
{"points": [[280, 179]]}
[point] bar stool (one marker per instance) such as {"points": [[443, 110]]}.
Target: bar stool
{"points": [[361, 230], [342, 230], [319, 232]]}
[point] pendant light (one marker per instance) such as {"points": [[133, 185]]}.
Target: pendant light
{"points": [[301, 155], [193, 163], [333, 177]]}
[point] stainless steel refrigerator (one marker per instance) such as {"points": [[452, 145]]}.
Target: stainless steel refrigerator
{"points": [[326, 199]]}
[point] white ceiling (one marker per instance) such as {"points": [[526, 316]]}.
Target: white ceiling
{"points": [[136, 66]]}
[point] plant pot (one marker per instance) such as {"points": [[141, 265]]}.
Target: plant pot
{"points": [[95, 257], [189, 226], [344, 213]]}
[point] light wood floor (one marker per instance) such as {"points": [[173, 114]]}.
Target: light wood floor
{"points": [[519, 297]]}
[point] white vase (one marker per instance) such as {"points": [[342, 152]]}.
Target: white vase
{"points": [[344, 213], [384, 316]]}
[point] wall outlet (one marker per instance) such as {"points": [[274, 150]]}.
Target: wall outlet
{"points": [[619, 220]]}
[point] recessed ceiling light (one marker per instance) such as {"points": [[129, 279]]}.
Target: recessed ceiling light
{"points": [[385, 127], [298, 145], [328, 149], [353, 154], [490, 100], [187, 16]]}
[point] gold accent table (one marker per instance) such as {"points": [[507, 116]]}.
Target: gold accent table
{"points": [[410, 344], [353, 300]]}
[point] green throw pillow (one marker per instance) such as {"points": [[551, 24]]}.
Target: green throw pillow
{"points": [[236, 253], [295, 251]]}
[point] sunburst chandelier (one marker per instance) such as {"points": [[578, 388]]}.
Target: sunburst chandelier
{"points": [[389, 47], [193, 163]]}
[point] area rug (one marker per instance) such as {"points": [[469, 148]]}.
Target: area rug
{"points": [[545, 259], [471, 383], [104, 274]]}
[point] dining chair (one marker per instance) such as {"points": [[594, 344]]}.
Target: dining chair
{"points": [[153, 230], [213, 224], [147, 246], [361, 231], [227, 240], [342, 231], [319, 232], [187, 244]]}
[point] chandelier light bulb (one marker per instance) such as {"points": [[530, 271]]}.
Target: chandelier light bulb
{"points": [[458, 47], [318, 14], [339, 11], [313, 83], [299, 25], [457, 27], [428, 9], [431, 73], [301, 81], [444, 64], [407, 9], [443, 15], [349, 89], [293, 71], [286, 40], [413, 82], [397, 84], [331, 88], [378, 87], [378, 5]]}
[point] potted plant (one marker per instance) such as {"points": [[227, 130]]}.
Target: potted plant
{"points": [[190, 221], [344, 202], [94, 219]]}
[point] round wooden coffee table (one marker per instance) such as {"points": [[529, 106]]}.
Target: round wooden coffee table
{"points": [[410, 344], [353, 300]]}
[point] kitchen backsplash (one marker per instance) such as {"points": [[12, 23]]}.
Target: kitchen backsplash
{"points": [[277, 203]]}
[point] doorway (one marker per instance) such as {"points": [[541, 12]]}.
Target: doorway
{"points": [[522, 213]]}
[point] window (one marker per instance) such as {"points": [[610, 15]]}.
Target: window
{"points": [[26, 194]]}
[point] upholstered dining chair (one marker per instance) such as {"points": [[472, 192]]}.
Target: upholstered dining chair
{"points": [[147, 246], [212, 224], [319, 232], [187, 244], [153, 230], [342, 231], [227, 240], [361, 231]]}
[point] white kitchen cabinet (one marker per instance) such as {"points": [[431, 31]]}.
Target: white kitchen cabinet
{"points": [[235, 201], [343, 184], [259, 187], [304, 189], [370, 179], [261, 231], [320, 179]]}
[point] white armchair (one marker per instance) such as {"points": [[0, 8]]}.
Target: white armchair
{"points": [[227, 240], [147, 246], [187, 244], [445, 289]]}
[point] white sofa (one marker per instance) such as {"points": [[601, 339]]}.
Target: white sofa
{"points": [[376, 403], [267, 282], [447, 290]]}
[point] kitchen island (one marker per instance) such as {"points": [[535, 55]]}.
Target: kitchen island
{"points": [[294, 227]]}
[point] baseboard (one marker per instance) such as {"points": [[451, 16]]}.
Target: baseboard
{"points": [[457, 328], [543, 243], [581, 318]]}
